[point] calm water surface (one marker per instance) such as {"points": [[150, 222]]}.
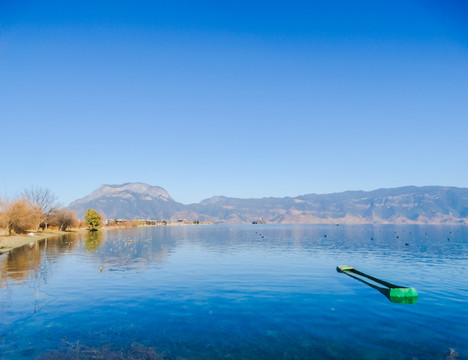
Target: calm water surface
{"points": [[236, 292]]}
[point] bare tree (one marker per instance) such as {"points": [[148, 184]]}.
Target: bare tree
{"points": [[41, 197], [44, 199]]}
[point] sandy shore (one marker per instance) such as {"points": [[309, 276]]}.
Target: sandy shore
{"points": [[8, 243]]}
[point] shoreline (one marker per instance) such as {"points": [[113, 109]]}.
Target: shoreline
{"points": [[10, 242]]}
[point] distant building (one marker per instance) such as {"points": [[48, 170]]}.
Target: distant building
{"points": [[261, 221]]}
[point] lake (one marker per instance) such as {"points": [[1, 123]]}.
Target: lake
{"points": [[236, 292]]}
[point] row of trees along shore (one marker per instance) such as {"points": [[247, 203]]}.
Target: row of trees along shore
{"points": [[36, 208]]}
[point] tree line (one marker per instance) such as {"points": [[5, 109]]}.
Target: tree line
{"points": [[36, 208]]}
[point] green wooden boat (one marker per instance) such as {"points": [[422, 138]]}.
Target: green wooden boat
{"points": [[395, 293]]}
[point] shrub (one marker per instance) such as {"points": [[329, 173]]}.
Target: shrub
{"points": [[63, 219], [20, 216]]}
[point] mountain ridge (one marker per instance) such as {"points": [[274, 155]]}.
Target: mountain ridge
{"points": [[407, 204]]}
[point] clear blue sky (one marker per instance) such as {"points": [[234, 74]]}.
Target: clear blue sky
{"points": [[235, 98]]}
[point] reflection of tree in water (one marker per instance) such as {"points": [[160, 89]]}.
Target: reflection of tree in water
{"points": [[93, 241], [3, 269], [58, 246], [132, 249], [21, 263], [121, 250]]}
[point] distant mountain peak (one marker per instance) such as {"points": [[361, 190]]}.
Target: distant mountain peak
{"points": [[127, 190], [137, 187], [213, 200]]}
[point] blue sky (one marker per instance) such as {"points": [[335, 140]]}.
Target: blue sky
{"points": [[235, 98]]}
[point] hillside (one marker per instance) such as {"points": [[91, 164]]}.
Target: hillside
{"points": [[129, 201], [425, 205]]}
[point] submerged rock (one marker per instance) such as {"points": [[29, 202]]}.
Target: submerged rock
{"points": [[451, 355], [81, 352]]}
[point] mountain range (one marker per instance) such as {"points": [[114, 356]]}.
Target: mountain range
{"points": [[410, 204]]}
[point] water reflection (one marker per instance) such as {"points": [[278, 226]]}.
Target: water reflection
{"points": [[93, 241], [27, 261], [141, 247], [133, 249], [245, 292], [19, 263], [115, 250]]}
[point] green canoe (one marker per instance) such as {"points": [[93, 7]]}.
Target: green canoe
{"points": [[395, 293]]}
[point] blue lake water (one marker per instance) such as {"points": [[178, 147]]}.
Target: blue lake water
{"points": [[236, 292]]}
